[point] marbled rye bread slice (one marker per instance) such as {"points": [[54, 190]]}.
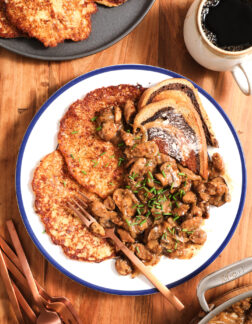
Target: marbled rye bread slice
{"points": [[177, 129], [180, 90]]}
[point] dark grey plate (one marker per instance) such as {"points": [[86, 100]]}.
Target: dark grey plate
{"points": [[109, 25]]}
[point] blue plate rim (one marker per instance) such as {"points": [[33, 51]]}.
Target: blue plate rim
{"points": [[19, 165]]}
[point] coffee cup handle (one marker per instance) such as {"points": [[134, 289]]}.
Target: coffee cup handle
{"points": [[243, 77]]}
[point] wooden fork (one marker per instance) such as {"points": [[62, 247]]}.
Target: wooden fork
{"points": [[76, 205]]}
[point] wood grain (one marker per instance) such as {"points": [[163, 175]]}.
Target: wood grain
{"points": [[25, 84]]}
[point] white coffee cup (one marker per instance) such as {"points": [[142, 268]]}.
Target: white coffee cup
{"points": [[213, 57]]}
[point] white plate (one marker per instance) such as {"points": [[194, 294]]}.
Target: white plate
{"points": [[41, 139]]}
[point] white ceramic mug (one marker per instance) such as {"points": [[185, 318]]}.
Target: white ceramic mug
{"points": [[213, 57]]}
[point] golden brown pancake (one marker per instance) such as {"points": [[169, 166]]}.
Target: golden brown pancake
{"points": [[7, 30], [52, 21], [111, 3], [93, 162], [53, 186]]}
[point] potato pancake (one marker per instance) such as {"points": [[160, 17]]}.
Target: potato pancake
{"points": [[52, 21], [94, 163], [111, 3], [53, 186], [7, 30]]}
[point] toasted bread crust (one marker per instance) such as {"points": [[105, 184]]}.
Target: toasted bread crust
{"points": [[90, 160], [180, 90], [52, 22], [7, 29], [53, 186], [183, 125]]}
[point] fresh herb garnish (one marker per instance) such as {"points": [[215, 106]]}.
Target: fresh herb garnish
{"points": [[93, 119], [84, 172], [98, 128], [75, 132]]}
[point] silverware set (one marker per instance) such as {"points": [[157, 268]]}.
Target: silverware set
{"points": [[31, 303]]}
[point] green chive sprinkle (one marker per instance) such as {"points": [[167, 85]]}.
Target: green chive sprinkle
{"points": [[169, 250], [176, 217], [102, 153], [157, 218], [95, 163], [64, 183], [106, 165], [111, 183], [150, 174], [128, 222], [121, 144], [74, 132], [181, 173], [84, 172], [120, 161], [98, 128], [164, 175], [93, 119], [172, 185], [144, 221], [72, 156], [137, 249], [176, 245]]}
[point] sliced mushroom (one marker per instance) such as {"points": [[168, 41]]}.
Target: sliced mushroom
{"points": [[169, 175], [128, 138], [109, 203], [142, 252], [190, 198], [192, 224], [147, 149], [125, 236], [198, 236], [126, 201], [129, 111], [123, 267], [97, 229]]}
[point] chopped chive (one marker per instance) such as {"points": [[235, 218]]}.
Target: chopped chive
{"points": [[172, 185], [144, 221], [106, 165], [102, 153], [137, 249], [139, 211], [167, 214], [134, 206], [111, 183], [128, 187], [164, 175], [176, 217], [93, 119], [135, 191], [75, 132], [72, 156], [164, 236], [134, 146], [120, 144], [140, 206], [157, 218], [169, 250], [184, 230], [185, 183], [181, 174], [84, 172], [120, 161], [158, 213], [150, 174], [64, 183], [44, 231], [127, 222], [177, 204], [128, 131], [148, 214], [112, 156], [137, 138], [95, 163], [175, 246], [98, 128]]}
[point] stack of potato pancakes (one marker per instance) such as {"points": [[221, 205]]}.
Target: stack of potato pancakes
{"points": [[51, 22]]}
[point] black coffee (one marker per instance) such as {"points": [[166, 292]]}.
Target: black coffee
{"points": [[228, 23]]}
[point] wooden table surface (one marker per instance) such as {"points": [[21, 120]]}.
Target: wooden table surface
{"points": [[24, 86]]}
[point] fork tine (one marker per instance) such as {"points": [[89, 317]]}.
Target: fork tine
{"points": [[79, 214], [77, 201], [84, 196]]}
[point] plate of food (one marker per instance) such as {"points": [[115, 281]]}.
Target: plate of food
{"points": [[159, 161], [65, 30]]}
